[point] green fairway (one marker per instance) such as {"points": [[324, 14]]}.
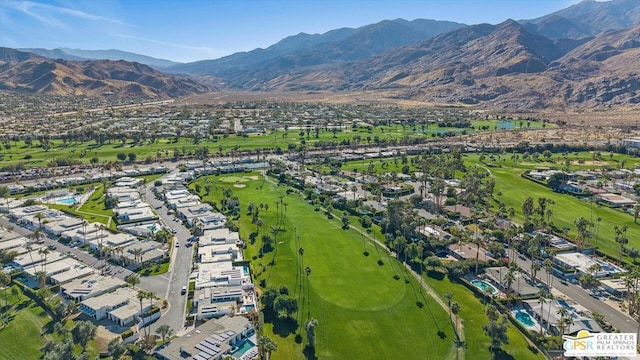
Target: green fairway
{"points": [[86, 152], [234, 179], [362, 311], [25, 334], [21, 338], [515, 189]]}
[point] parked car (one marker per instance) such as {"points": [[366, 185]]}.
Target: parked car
{"points": [[52, 247], [184, 290], [177, 244]]}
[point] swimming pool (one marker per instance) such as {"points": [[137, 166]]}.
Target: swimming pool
{"points": [[245, 270], [524, 318], [243, 348], [483, 285], [68, 201], [249, 307]]}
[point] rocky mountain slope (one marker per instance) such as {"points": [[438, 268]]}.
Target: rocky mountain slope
{"points": [[23, 71]]}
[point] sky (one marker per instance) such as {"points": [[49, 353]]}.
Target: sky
{"points": [[191, 30]]}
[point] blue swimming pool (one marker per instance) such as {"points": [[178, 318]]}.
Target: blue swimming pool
{"points": [[524, 318], [484, 286], [68, 201], [243, 348]]}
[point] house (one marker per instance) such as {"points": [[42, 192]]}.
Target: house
{"points": [[584, 264], [615, 200], [521, 285], [99, 307], [631, 142], [222, 274], [218, 253], [465, 251], [113, 241], [209, 341], [141, 212], [549, 312], [615, 287], [90, 286]]}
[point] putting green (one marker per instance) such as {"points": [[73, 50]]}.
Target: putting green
{"points": [[234, 179]]}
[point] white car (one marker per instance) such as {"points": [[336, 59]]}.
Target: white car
{"points": [[177, 244]]}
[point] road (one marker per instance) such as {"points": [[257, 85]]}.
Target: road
{"points": [[179, 270], [167, 286], [621, 321]]}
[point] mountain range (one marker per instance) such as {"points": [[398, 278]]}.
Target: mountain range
{"points": [[28, 72], [586, 55]]}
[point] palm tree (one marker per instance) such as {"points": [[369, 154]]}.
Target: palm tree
{"points": [[266, 346], [542, 300], [137, 254], [455, 309], [29, 249], [141, 296], [165, 331], [41, 276], [39, 216], [509, 278], [43, 253], [621, 239], [561, 323]]}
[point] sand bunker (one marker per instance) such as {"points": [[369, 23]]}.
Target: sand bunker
{"points": [[240, 186]]}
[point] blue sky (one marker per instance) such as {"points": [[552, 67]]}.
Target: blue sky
{"points": [[190, 30]]}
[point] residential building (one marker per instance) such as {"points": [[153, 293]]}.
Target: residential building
{"points": [[210, 341]]}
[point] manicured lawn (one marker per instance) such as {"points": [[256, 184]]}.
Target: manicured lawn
{"points": [[362, 311], [473, 317], [84, 151], [159, 270], [515, 189], [92, 210], [22, 338]]}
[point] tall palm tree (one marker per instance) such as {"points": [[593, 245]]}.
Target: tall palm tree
{"points": [[509, 278], [141, 296], [455, 309], [43, 253], [542, 300], [41, 276], [29, 250], [561, 323]]}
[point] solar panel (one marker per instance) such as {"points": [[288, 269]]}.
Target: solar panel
{"points": [[210, 343], [200, 357], [210, 346], [205, 350], [217, 337]]}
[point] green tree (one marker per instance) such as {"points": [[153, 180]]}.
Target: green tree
{"points": [[310, 327], [285, 305], [164, 331], [83, 332], [121, 156], [116, 349], [266, 347], [496, 330], [133, 280], [5, 280]]}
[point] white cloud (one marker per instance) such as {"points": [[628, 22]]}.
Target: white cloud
{"points": [[204, 50], [46, 13]]}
